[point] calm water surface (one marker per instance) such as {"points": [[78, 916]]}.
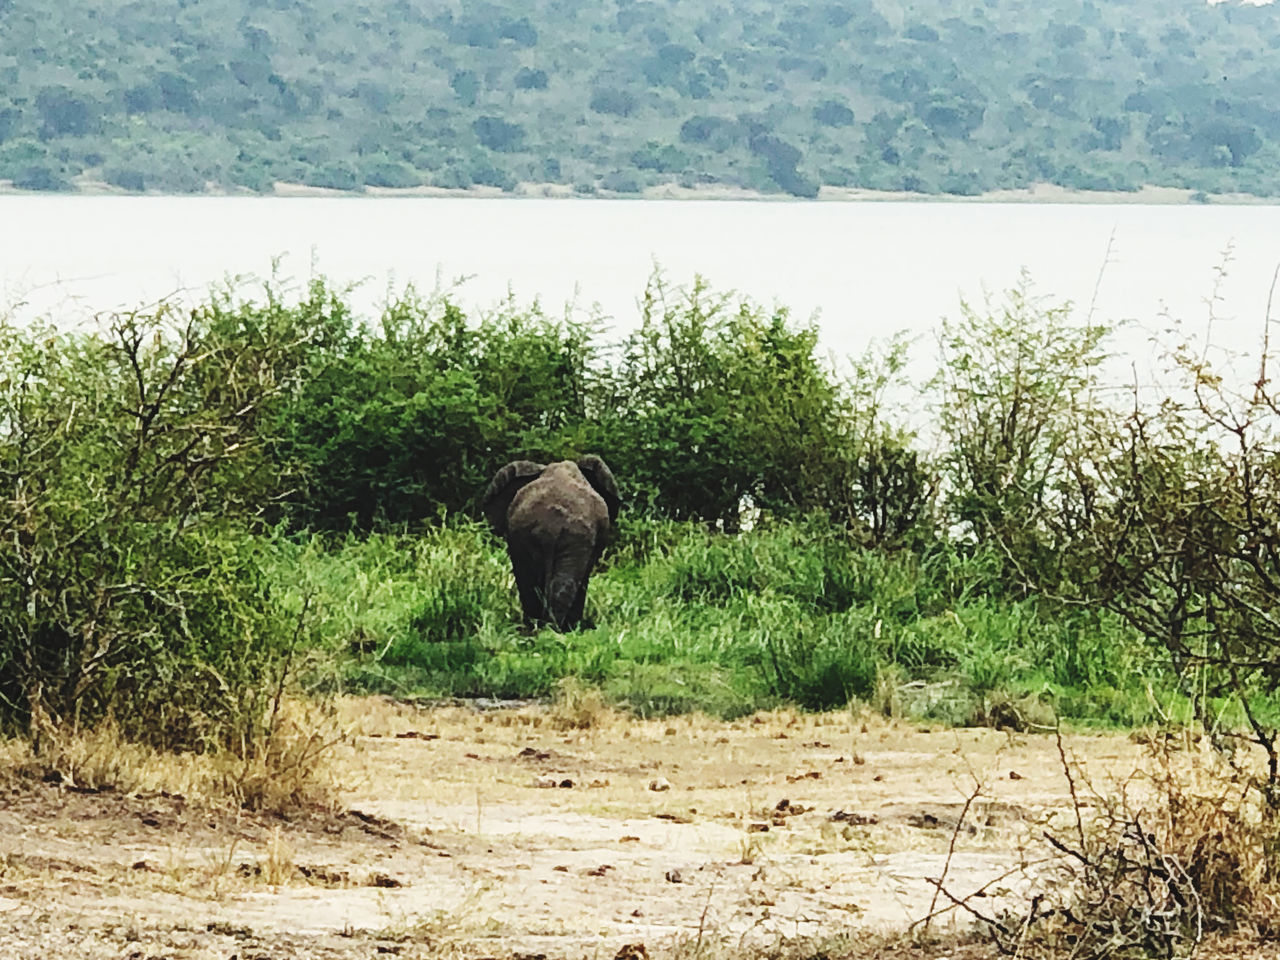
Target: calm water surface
{"points": [[865, 269]]}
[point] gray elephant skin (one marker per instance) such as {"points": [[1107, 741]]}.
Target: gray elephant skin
{"points": [[556, 520]]}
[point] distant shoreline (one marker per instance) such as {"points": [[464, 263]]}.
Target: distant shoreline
{"points": [[1039, 193]]}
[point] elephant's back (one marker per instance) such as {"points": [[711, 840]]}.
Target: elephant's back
{"points": [[557, 504]]}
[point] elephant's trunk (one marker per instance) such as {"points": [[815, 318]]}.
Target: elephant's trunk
{"points": [[563, 591]]}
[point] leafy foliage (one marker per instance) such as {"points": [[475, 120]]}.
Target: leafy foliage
{"points": [[718, 402], [1016, 389], [410, 421], [714, 406], [134, 474]]}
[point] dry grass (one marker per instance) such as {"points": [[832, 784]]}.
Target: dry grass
{"points": [[1217, 825], [579, 707], [288, 767], [101, 759], [1184, 849]]}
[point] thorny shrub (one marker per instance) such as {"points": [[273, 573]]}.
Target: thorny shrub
{"points": [[1169, 519], [1182, 851], [132, 475], [1161, 508]]}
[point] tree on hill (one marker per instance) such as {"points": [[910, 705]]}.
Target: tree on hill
{"points": [[1174, 92]]}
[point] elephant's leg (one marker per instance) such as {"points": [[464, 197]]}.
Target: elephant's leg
{"points": [[527, 566]]}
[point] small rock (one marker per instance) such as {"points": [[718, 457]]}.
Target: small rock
{"points": [[1015, 775], [565, 784], [632, 951], [658, 786], [598, 784], [673, 817], [544, 783], [857, 819], [757, 828], [673, 876]]}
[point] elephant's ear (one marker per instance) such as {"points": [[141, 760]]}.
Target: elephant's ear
{"points": [[601, 480], [505, 485]]}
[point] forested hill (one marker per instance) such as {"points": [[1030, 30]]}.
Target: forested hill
{"points": [[616, 95]]}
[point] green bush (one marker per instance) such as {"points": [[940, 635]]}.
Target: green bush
{"points": [[409, 422], [717, 403], [1017, 399], [133, 476], [713, 407], [190, 501]]}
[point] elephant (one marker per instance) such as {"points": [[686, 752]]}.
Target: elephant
{"points": [[556, 520]]}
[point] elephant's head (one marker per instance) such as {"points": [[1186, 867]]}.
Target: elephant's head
{"points": [[512, 478]]}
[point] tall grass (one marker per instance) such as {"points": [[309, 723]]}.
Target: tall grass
{"points": [[690, 619]]}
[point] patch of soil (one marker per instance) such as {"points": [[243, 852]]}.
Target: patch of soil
{"points": [[768, 833]]}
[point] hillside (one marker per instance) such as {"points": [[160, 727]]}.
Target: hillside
{"points": [[773, 95]]}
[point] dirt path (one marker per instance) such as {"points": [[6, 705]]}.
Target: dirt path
{"points": [[499, 835]]}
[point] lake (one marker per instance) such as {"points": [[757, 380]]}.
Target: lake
{"points": [[865, 269]]}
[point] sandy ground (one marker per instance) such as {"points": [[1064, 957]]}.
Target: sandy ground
{"points": [[498, 834]]}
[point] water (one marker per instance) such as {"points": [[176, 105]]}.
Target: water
{"points": [[864, 269]]}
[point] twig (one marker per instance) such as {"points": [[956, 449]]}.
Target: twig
{"points": [[964, 905], [1071, 785], [951, 849]]}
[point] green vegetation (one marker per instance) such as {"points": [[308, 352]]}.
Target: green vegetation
{"points": [[204, 512], [692, 619], [172, 95], [134, 472]]}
